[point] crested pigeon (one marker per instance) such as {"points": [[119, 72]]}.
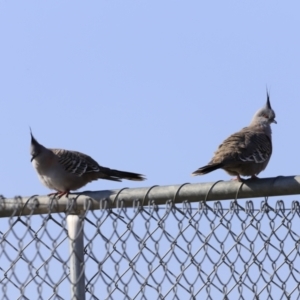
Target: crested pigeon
{"points": [[248, 151], [64, 170]]}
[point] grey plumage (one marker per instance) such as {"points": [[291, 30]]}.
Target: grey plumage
{"points": [[64, 170], [247, 152]]}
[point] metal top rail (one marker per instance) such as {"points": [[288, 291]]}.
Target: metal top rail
{"points": [[220, 190]]}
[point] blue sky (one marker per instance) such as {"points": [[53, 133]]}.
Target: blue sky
{"points": [[145, 86], [151, 87]]}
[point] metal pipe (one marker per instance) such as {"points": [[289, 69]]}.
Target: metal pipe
{"points": [[277, 186], [75, 232]]}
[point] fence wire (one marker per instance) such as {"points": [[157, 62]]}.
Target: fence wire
{"points": [[206, 250]]}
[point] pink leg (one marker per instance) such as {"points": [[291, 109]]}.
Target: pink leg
{"points": [[238, 178]]}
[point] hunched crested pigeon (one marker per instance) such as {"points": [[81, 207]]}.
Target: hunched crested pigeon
{"points": [[64, 170], [247, 152]]}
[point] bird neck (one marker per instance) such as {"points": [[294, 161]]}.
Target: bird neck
{"points": [[265, 127]]}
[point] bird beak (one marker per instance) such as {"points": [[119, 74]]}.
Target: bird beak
{"points": [[274, 121]]}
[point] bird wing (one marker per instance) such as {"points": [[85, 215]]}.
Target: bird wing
{"points": [[76, 162], [258, 148], [247, 145], [84, 166]]}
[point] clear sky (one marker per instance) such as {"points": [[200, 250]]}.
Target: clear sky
{"points": [[146, 86]]}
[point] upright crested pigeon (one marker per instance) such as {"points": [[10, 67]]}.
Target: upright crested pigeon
{"points": [[64, 170], [247, 152]]}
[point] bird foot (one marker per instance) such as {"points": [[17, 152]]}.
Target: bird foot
{"points": [[59, 194], [238, 178]]}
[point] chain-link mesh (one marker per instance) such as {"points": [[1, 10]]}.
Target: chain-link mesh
{"points": [[214, 250]]}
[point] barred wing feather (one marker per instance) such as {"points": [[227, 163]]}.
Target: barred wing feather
{"points": [[245, 146], [76, 162], [259, 149]]}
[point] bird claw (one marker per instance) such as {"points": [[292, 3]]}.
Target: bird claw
{"points": [[59, 194]]}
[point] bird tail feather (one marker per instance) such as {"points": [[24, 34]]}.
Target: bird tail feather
{"points": [[207, 169], [117, 175]]}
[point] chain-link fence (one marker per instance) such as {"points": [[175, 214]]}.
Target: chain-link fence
{"points": [[237, 249]]}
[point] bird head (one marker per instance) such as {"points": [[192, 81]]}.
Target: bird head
{"points": [[266, 115]]}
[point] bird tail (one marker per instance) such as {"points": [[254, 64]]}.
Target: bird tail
{"points": [[207, 169], [117, 175]]}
